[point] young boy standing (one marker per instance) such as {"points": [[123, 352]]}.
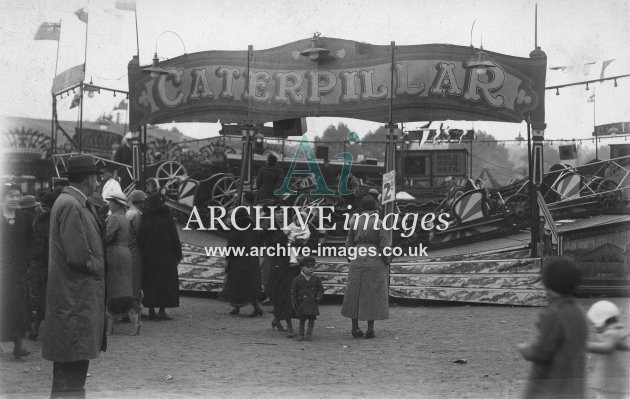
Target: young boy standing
{"points": [[557, 354], [306, 292]]}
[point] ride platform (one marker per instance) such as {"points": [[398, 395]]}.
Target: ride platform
{"points": [[499, 272]]}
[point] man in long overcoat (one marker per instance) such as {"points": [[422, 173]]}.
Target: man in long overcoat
{"points": [[74, 326]]}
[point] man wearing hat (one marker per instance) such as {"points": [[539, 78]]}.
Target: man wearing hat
{"points": [[75, 301]]}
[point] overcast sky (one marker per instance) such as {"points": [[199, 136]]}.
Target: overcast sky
{"points": [[572, 33]]}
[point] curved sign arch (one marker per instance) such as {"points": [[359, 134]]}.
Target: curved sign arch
{"points": [[343, 79]]}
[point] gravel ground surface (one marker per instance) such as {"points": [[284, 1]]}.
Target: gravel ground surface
{"points": [[204, 352]]}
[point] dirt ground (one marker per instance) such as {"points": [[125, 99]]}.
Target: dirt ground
{"points": [[205, 352]]}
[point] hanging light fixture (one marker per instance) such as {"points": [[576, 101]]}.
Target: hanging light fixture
{"points": [[315, 52], [91, 89], [557, 91], [587, 86], [615, 82], [155, 70]]}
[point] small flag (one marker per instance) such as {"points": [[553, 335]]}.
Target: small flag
{"points": [[82, 15], [591, 98], [48, 31], [604, 66], [76, 100], [121, 106], [127, 5]]}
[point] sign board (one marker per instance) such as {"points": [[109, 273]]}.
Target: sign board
{"points": [[353, 80], [612, 129], [389, 187], [567, 152], [98, 142], [449, 163], [69, 78]]}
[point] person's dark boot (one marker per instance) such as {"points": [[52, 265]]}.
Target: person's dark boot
{"points": [[290, 332], [309, 331], [301, 332]]}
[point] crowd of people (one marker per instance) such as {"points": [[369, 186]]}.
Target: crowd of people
{"points": [[80, 259], [86, 256]]}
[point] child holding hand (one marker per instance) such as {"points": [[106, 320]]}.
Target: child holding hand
{"points": [[610, 378], [306, 292]]}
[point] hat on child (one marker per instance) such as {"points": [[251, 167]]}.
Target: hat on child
{"points": [[561, 275], [602, 311], [307, 261]]}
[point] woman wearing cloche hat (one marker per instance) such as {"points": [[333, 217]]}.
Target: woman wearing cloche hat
{"points": [[119, 279]]}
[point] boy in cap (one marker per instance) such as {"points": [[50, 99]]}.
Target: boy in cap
{"points": [[306, 292], [557, 354], [610, 378]]}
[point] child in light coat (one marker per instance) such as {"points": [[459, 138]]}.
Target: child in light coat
{"points": [[306, 292], [611, 377]]}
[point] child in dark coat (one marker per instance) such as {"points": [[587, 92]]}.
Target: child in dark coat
{"points": [[306, 292], [558, 353]]}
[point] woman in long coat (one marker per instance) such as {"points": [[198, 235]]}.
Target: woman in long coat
{"points": [[16, 233], [366, 296], [281, 277], [161, 253], [243, 282], [118, 281]]}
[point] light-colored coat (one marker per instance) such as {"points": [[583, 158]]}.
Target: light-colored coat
{"points": [[75, 301], [366, 296], [611, 375]]}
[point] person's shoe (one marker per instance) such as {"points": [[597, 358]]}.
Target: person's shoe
{"points": [[19, 353], [235, 311], [301, 338], [266, 301], [256, 312], [290, 334], [357, 333], [164, 316], [369, 334]]}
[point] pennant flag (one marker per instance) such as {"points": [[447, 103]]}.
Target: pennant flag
{"points": [[127, 5], [604, 66], [426, 126], [121, 106], [48, 31], [82, 15], [76, 100], [591, 98]]}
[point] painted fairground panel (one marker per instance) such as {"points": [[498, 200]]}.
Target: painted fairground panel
{"points": [[602, 253], [340, 78]]}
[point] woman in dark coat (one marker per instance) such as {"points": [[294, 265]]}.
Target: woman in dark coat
{"points": [[281, 277], [16, 233], [161, 253], [243, 282]]}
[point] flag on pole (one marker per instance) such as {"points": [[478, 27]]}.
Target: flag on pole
{"points": [[127, 5], [82, 15], [76, 100], [604, 66], [48, 31], [591, 98], [121, 106]]}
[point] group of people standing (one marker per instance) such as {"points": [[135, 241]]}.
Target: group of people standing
{"points": [[94, 255]]}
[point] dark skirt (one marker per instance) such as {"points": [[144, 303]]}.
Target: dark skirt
{"points": [[14, 310], [243, 283], [280, 277]]}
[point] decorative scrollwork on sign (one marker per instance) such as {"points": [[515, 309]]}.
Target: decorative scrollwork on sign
{"points": [[26, 141]]}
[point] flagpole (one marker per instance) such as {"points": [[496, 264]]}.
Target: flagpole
{"points": [[81, 92], [594, 129], [135, 13], [58, 40]]}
